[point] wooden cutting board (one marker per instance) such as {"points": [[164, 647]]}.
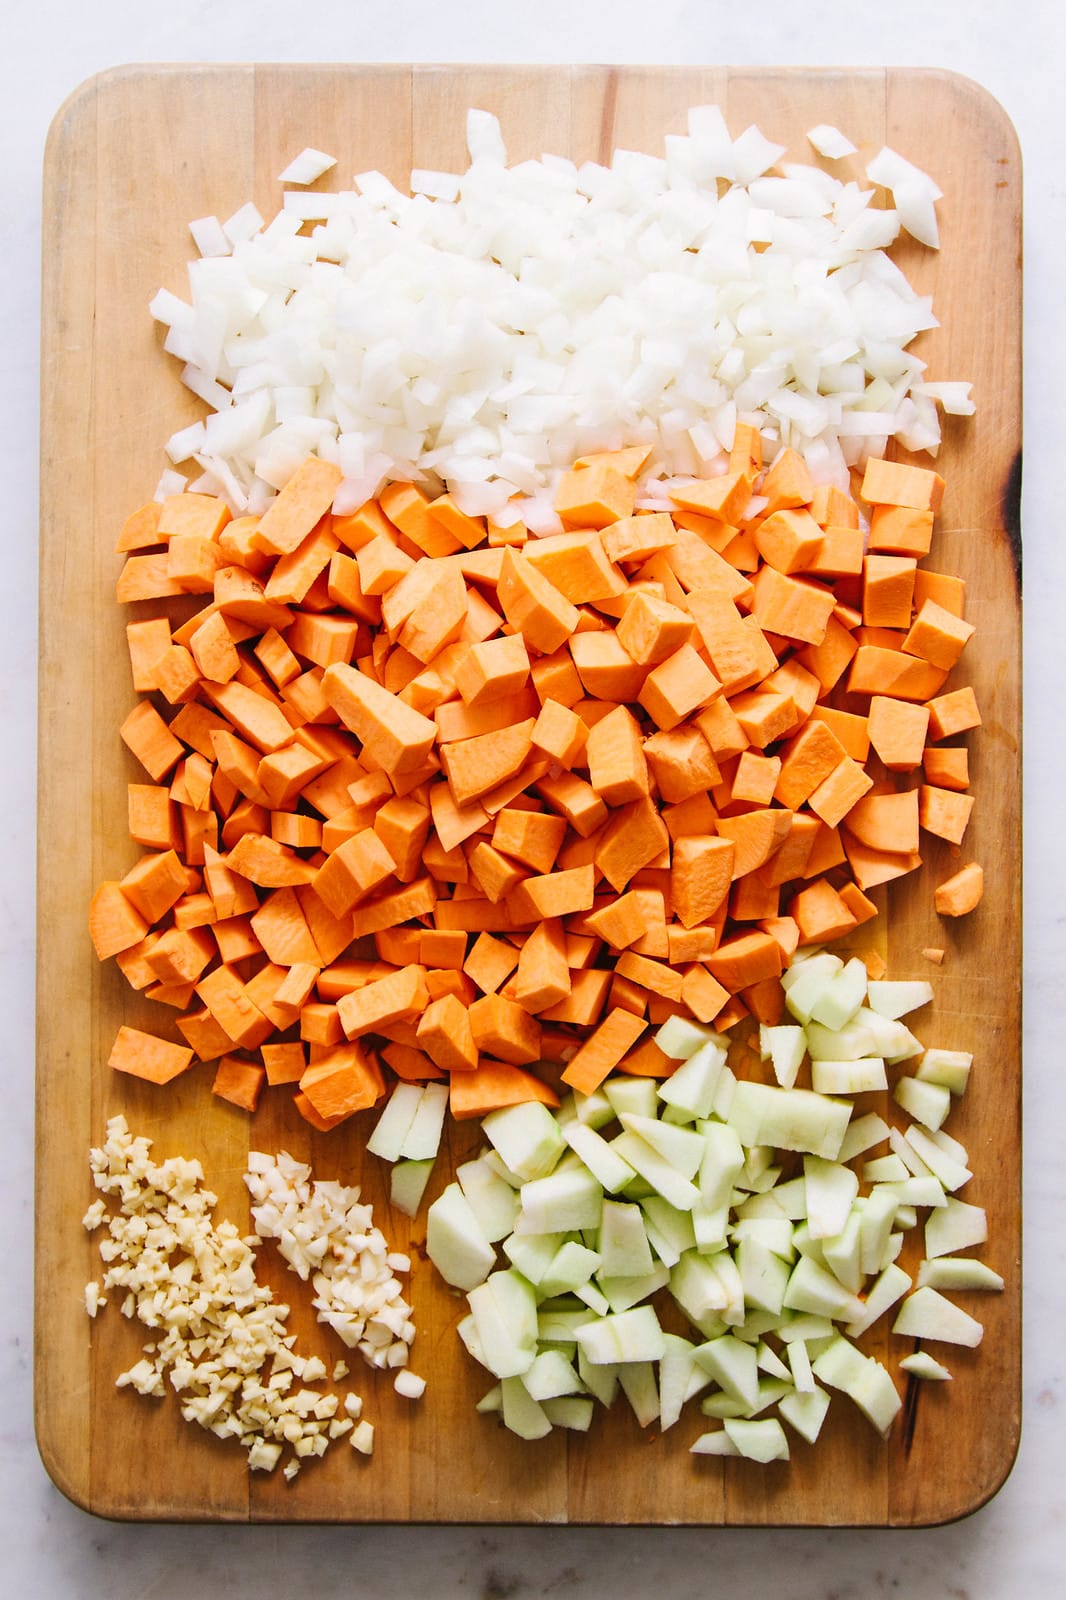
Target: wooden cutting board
{"points": [[132, 157]]}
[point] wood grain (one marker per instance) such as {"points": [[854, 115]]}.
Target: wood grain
{"points": [[131, 157]]}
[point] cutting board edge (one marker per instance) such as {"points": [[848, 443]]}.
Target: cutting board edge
{"points": [[46, 1447]]}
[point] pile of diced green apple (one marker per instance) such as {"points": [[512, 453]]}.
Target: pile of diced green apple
{"points": [[761, 1210]]}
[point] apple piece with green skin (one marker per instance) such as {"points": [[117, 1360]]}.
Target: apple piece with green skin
{"points": [[408, 1181], [951, 1068], [526, 1137], [623, 1241], [956, 1226], [570, 1411], [959, 1272], [394, 1124], [637, 1096], [922, 1365], [424, 1135], [866, 1075], [608, 1168], [763, 1440], [831, 1189], [682, 1038], [638, 1384], [888, 1288], [655, 1170], [564, 1201], [521, 1413], [692, 1088], [842, 996], [682, 1148], [926, 1314], [784, 1045], [805, 1412], [928, 1103], [896, 998], [623, 1336], [550, 1376], [805, 981], [455, 1243], [789, 1119], [492, 1199], [533, 1253], [504, 1309]]}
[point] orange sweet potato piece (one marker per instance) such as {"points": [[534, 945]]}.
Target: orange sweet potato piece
{"points": [[961, 893], [944, 812], [474, 767], [796, 608], [115, 924], [787, 483], [296, 509], [594, 496], [897, 730], [505, 1030], [603, 1050], [398, 738], [543, 977], [947, 766], [952, 713], [677, 687], [617, 767], [539, 611], [445, 1034], [887, 822], [744, 960], [342, 1081], [701, 873], [494, 1085], [401, 996], [755, 836], [145, 1055], [239, 1081], [532, 837], [901, 530], [892, 483]]}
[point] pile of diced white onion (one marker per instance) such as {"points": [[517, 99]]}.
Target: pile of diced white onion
{"points": [[485, 330]]}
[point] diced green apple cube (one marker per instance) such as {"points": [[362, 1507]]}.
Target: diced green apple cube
{"points": [[692, 1088], [922, 1365], [895, 998], [805, 1411], [842, 995], [928, 1103], [521, 1413], [455, 1242], [762, 1441], [608, 1168], [526, 1137], [493, 1201], [790, 1119], [926, 1314], [784, 1045], [958, 1272], [956, 1226], [569, 1411], [865, 1076], [951, 1068], [407, 1185], [393, 1126], [564, 1200], [424, 1134]]}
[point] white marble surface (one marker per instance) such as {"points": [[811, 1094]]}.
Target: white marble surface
{"points": [[1015, 1546]]}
